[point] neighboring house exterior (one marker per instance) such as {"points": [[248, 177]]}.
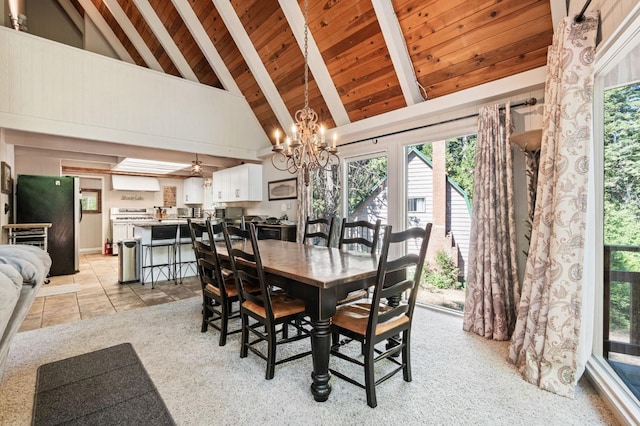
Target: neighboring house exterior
{"points": [[420, 207]]}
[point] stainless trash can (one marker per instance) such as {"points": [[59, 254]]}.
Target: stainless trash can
{"points": [[127, 261]]}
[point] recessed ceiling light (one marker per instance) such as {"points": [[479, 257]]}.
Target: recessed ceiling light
{"points": [[149, 166]]}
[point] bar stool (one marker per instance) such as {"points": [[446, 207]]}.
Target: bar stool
{"points": [[184, 239], [162, 236]]}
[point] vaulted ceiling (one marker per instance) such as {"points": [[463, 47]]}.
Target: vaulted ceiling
{"points": [[366, 57]]}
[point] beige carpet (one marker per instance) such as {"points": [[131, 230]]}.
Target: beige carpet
{"points": [[458, 378]]}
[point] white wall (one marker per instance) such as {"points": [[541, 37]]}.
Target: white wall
{"points": [[6, 155], [51, 88], [46, 18], [94, 40], [612, 13], [91, 225]]}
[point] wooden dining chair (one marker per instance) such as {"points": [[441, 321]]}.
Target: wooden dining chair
{"points": [[318, 228], [262, 312], [198, 234], [361, 234], [218, 286], [385, 325]]}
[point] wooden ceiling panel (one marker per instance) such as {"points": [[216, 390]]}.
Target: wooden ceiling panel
{"points": [[451, 44], [349, 38], [187, 45], [517, 64], [119, 32], [137, 20], [76, 4], [467, 33], [530, 44], [235, 63], [271, 35]]}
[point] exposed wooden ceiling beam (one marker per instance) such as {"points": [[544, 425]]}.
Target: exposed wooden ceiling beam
{"points": [[558, 11], [206, 45], [248, 51], [165, 39], [92, 12], [397, 47], [132, 34], [73, 14], [318, 67], [89, 170]]}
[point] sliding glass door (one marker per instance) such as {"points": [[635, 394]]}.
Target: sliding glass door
{"points": [[617, 214], [439, 187], [365, 190]]}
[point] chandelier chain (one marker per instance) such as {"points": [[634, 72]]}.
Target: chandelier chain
{"points": [[306, 54], [307, 149]]}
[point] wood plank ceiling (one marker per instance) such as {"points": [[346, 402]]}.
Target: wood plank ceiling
{"points": [[368, 56]]}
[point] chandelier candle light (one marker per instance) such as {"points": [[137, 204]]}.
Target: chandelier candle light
{"points": [[306, 150]]}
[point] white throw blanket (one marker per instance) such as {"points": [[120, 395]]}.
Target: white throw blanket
{"points": [[19, 265]]}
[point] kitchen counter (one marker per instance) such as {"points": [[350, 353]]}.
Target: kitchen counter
{"points": [[184, 257], [276, 231], [160, 222]]}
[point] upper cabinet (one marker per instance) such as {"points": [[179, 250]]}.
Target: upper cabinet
{"points": [[240, 183], [194, 190]]}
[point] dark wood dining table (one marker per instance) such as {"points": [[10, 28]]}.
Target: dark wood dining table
{"points": [[320, 276]]}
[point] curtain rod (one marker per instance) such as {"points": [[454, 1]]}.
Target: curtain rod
{"points": [[528, 102], [580, 16]]}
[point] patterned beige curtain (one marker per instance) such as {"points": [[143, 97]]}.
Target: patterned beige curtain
{"points": [[545, 342], [492, 281], [532, 164]]}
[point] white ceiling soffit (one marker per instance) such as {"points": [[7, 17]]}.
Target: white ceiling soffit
{"points": [[149, 166], [134, 183]]}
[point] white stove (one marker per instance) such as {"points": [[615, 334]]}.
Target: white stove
{"points": [[129, 214], [123, 219]]}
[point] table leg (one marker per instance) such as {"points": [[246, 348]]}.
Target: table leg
{"points": [[321, 345]]}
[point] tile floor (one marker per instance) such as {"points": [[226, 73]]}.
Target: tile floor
{"points": [[101, 294]]}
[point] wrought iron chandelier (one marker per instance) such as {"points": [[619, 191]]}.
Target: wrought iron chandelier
{"points": [[306, 150]]}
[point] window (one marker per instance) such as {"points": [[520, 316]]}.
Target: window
{"points": [[438, 187], [612, 266], [417, 205], [91, 200], [365, 191]]}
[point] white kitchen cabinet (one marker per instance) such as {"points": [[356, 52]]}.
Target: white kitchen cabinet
{"points": [[240, 183], [216, 187], [194, 190], [120, 231]]}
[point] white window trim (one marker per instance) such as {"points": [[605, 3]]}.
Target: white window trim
{"points": [[424, 204], [625, 406]]}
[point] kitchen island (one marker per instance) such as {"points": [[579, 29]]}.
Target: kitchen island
{"points": [[183, 258]]}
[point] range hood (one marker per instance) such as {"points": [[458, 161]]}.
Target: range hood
{"points": [[134, 183]]}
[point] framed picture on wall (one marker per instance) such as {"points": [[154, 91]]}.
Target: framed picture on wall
{"points": [[6, 183], [285, 189]]}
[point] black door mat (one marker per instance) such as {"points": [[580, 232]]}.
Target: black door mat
{"points": [[105, 387]]}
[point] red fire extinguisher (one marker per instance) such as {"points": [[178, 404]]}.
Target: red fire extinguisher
{"points": [[108, 247]]}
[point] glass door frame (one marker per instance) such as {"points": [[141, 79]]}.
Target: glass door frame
{"points": [[604, 377], [344, 196]]}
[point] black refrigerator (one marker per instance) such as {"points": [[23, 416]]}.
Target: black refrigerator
{"points": [[55, 200]]}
